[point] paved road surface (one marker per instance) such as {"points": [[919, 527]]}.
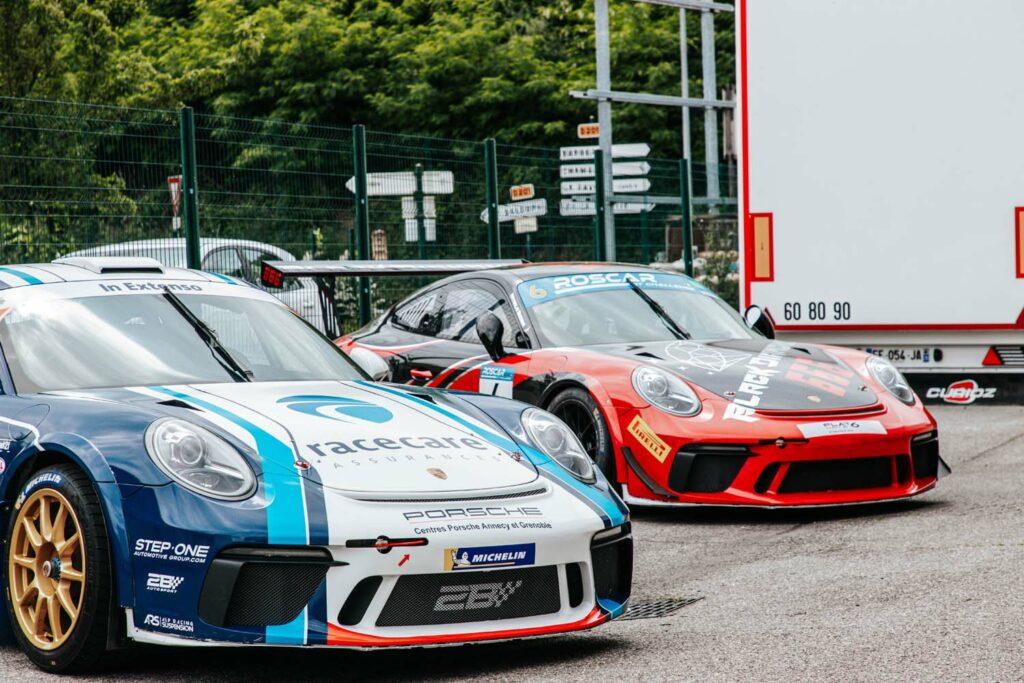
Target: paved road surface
{"points": [[931, 589]]}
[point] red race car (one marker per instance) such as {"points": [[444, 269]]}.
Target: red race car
{"points": [[677, 397]]}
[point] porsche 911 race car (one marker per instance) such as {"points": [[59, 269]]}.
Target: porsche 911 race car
{"points": [[185, 461], [674, 394]]}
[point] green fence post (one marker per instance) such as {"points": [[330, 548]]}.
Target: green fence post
{"points": [[362, 218], [491, 174], [685, 217], [599, 246], [189, 193]]}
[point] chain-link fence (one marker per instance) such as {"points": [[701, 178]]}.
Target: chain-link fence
{"points": [[94, 180]]}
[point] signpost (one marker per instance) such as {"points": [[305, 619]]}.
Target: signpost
{"points": [[403, 183], [588, 187], [527, 209], [174, 185], [588, 131], [520, 192], [621, 168], [586, 152], [526, 226], [577, 206]]}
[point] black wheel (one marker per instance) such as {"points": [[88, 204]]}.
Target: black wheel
{"points": [[578, 409], [57, 577]]}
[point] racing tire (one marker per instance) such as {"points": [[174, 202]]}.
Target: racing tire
{"points": [[578, 409], [57, 578]]}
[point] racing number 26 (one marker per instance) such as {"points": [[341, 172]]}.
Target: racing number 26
{"points": [[816, 310]]}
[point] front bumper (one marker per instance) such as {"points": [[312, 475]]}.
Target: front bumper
{"points": [[234, 588], [774, 464]]}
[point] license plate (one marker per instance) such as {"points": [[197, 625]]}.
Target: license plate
{"points": [[914, 356]]}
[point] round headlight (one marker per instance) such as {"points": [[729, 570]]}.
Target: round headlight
{"points": [[886, 374], [553, 438], [665, 391], [199, 460]]}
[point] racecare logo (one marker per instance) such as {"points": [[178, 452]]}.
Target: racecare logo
{"points": [[337, 408]]}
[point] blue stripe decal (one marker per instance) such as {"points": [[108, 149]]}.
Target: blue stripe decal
{"points": [[30, 279], [614, 609], [286, 517], [608, 509], [221, 276]]}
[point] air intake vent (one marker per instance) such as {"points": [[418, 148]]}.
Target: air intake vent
{"points": [[113, 265]]}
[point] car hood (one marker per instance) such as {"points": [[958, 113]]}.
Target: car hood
{"points": [[758, 374], [359, 436]]}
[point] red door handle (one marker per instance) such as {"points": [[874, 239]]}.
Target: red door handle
{"points": [[422, 375]]}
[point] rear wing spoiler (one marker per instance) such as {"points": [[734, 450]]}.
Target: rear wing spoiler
{"points": [[273, 273]]}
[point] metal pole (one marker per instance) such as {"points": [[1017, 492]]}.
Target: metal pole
{"points": [[684, 67], [707, 46], [421, 234], [600, 208], [362, 218], [491, 177], [604, 120], [685, 218], [189, 192]]}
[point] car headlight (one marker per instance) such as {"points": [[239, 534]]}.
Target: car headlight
{"points": [[886, 374], [199, 460], [665, 391], [558, 442]]}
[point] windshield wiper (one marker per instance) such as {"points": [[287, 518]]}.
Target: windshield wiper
{"points": [[234, 368], [671, 324]]}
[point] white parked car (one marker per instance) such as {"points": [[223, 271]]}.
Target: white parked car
{"points": [[232, 257]]}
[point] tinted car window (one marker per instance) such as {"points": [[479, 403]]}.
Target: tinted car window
{"points": [[419, 314], [226, 262], [463, 304]]}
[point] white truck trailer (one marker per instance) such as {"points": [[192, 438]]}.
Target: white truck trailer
{"points": [[882, 183]]}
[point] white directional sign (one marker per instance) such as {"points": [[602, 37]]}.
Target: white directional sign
{"points": [[429, 207], [618, 185], [508, 212], [584, 207], [412, 230], [404, 183], [619, 168], [525, 225], [586, 152]]}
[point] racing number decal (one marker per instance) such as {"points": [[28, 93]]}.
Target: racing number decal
{"points": [[649, 439], [496, 380]]}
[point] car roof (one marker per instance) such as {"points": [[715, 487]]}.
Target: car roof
{"points": [[530, 271], [84, 269]]}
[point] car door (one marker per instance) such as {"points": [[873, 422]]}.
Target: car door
{"points": [[458, 306]]}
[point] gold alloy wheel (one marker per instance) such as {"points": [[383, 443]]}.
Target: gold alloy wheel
{"points": [[46, 569]]}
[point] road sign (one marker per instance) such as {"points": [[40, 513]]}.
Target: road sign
{"points": [[585, 207], [404, 183], [618, 185], [508, 212], [587, 131], [412, 230], [429, 207], [520, 192], [620, 168], [586, 152], [526, 225], [174, 185]]}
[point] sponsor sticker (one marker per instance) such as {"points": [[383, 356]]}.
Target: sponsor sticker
{"points": [[540, 290], [475, 596], [962, 392], [761, 369], [34, 483], [173, 552], [496, 380], [169, 623], [489, 557], [163, 583], [3, 465], [812, 430], [649, 439], [337, 408]]}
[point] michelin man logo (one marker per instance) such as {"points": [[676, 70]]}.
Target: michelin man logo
{"points": [[704, 357], [337, 408]]}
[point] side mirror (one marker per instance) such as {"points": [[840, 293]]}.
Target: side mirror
{"points": [[372, 364], [757, 320], [490, 330]]}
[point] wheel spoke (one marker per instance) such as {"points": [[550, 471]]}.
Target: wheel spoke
{"points": [[68, 545], [39, 617], [64, 596], [59, 522], [45, 520], [71, 574], [25, 561], [34, 538], [53, 617]]}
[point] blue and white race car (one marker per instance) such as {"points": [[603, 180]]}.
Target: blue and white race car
{"points": [[183, 461]]}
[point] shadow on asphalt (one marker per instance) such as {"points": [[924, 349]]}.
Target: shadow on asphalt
{"points": [[259, 663], [781, 516]]}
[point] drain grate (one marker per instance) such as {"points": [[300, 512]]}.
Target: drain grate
{"points": [[653, 609]]}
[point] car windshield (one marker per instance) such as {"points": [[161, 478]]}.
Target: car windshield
{"points": [[95, 342], [603, 308]]}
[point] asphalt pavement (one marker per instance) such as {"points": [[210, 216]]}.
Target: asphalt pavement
{"points": [[928, 589]]}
